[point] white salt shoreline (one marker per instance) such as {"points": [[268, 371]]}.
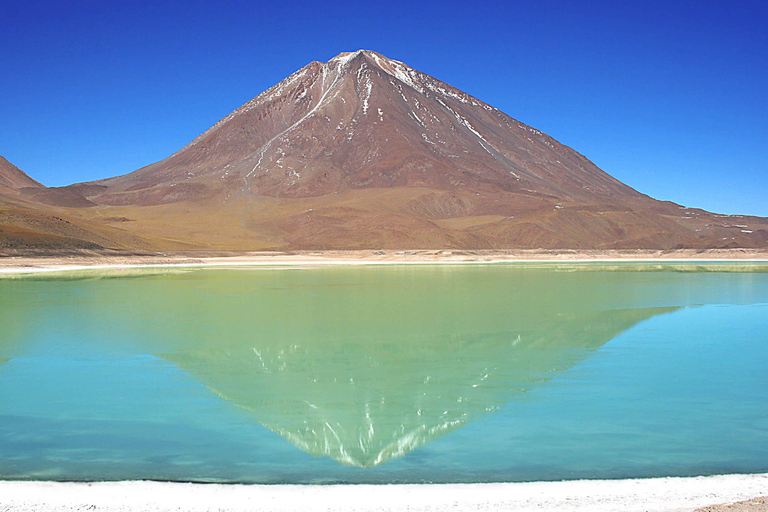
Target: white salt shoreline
{"points": [[9, 267], [653, 494]]}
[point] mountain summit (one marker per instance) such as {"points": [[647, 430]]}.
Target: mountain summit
{"points": [[364, 151]]}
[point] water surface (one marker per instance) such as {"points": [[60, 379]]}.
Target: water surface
{"points": [[385, 374]]}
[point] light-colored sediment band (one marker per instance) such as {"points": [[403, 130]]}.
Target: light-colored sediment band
{"points": [[654, 494], [20, 264]]}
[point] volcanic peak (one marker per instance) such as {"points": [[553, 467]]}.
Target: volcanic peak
{"points": [[364, 151], [362, 120]]}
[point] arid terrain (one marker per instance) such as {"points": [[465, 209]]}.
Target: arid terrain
{"points": [[361, 152]]}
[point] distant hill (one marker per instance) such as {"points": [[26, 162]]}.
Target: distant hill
{"points": [[30, 218], [365, 152]]}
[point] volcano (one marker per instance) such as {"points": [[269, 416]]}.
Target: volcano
{"points": [[362, 121], [365, 152]]}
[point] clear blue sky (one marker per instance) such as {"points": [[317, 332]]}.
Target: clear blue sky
{"points": [[670, 97]]}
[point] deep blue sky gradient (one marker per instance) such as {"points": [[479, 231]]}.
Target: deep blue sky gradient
{"points": [[670, 97]]}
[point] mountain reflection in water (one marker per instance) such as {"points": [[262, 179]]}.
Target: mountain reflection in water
{"points": [[364, 400], [358, 364]]}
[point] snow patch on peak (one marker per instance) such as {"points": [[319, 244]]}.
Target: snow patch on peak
{"points": [[344, 57], [368, 89], [397, 69]]}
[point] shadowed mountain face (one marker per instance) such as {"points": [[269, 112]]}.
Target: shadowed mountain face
{"points": [[365, 401], [17, 184], [13, 178], [363, 151]]}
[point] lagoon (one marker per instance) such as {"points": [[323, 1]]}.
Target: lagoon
{"points": [[434, 373]]}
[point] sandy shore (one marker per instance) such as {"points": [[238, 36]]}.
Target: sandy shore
{"points": [[11, 262], [656, 494]]}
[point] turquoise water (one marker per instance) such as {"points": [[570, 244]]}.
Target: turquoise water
{"points": [[385, 374]]}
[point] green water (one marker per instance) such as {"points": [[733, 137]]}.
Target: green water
{"points": [[385, 374]]}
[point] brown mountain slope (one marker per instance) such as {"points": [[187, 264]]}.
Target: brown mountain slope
{"points": [[27, 222], [366, 152], [364, 121], [12, 178]]}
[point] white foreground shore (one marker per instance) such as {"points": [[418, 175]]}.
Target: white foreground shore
{"points": [[18, 263], [647, 495]]}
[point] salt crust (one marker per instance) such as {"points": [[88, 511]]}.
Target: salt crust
{"points": [[654, 494]]}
